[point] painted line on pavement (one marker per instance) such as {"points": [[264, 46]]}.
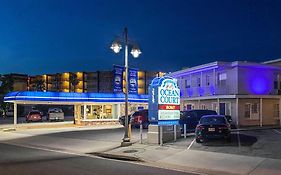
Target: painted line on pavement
{"points": [[277, 131], [190, 144], [238, 138]]}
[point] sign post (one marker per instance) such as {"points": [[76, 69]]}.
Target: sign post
{"points": [[163, 109]]}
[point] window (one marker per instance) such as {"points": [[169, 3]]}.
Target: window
{"points": [[252, 111], [222, 79], [276, 111], [222, 76], [247, 113], [215, 107]]}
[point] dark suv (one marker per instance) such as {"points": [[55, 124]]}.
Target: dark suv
{"points": [[192, 117]]}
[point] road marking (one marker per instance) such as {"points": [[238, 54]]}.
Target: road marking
{"points": [[190, 144], [277, 131], [238, 138]]}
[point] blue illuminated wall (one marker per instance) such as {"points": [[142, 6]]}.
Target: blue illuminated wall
{"points": [[256, 81]]}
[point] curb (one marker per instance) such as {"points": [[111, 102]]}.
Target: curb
{"points": [[117, 156], [8, 129]]}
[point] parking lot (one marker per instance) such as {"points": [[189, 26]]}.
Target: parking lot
{"points": [[261, 143]]}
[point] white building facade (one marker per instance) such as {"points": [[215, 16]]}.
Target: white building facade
{"points": [[249, 92]]}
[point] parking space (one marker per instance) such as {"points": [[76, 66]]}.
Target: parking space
{"points": [[260, 143]]}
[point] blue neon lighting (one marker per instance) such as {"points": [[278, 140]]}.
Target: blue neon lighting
{"points": [[72, 97]]}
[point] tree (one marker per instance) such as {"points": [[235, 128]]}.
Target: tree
{"points": [[6, 86], [39, 85], [73, 81]]}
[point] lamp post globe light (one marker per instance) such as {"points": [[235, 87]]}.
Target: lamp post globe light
{"points": [[116, 47]]}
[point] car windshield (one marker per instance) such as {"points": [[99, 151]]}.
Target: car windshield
{"points": [[206, 112], [212, 120], [32, 113]]}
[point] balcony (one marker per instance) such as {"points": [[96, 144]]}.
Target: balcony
{"points": [[205, 91]]}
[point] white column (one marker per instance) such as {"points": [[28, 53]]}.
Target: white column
{"points": [[15, 113], [84, 112], [237, 112], [260, 112], [198, 104], [118, 110]]}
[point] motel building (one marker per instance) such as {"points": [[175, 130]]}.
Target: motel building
{"points": [[89, 108], [249, 92]]}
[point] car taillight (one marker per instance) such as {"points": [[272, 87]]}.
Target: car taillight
{"points": [[200, 128]]}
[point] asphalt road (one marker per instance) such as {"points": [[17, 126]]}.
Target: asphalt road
{"points": [[18, 160]]}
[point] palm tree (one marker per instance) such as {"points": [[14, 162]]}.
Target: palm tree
{"points": [[73, 81], [39, 85]]}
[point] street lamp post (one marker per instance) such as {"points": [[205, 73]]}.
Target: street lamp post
{"points": [[116, 47]]}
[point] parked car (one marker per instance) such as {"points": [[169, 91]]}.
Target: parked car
{"points": [[122, 119], [212, 126], [192, 117], [139, 117], [34, 116], [55, 114], [10, 113], [135, 118]]}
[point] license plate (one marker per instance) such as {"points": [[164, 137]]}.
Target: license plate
{"points": [[211, 129]]}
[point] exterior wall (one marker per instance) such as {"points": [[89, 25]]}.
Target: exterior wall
{"points": [[270, 115], [257, 81]]}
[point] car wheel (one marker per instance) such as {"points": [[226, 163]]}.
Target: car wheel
{"points": [[199, 140]]}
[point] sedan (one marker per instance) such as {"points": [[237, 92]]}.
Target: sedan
{"points": [[34, 116], [212, 126]]}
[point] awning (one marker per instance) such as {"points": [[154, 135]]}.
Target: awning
{"points": [[69, 97]]}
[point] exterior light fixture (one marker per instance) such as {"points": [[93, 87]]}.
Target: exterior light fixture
{"points": [[135, 52], [116, 47]]}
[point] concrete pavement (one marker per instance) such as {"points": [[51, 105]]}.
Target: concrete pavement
{"points": [[200, 161]]}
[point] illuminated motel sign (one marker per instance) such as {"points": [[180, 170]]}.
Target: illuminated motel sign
{"points": [[164, 101]]}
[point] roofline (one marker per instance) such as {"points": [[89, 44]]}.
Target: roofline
{"points": [[272, 61]]}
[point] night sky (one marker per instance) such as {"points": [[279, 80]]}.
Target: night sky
{"points": [[48, 36]]}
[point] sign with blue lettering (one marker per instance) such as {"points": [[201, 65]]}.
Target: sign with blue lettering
{"points": [[133, 81], [164, 101], [118, 79]]}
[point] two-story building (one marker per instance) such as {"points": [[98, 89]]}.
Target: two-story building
{"points": [[249, 92]]}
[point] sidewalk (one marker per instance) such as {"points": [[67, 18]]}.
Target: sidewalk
{"points": [[201, 162]]}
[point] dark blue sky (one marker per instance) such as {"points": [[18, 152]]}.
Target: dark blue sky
{"points": [[51, 36]]}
